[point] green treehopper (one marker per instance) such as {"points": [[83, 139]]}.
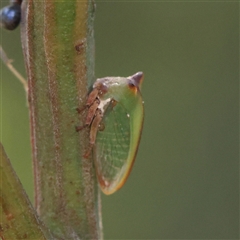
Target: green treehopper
{"points": [[115, 117]]}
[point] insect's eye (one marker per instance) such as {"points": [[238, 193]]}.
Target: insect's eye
{"points": [[132, 87]]}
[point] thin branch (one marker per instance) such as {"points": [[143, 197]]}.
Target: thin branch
{"points": [[8, 63]]}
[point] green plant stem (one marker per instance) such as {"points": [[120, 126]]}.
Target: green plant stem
{"points": [[18, 218], [58, 43]]}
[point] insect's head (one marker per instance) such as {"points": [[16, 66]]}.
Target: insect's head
{"points": [[102, 85], [118, 87]]}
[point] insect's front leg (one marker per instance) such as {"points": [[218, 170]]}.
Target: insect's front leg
{"points": [[90, 115], [90, 100]]}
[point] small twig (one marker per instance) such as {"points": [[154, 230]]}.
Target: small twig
{"points": [[8, 63]]}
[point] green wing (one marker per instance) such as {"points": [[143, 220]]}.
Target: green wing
{"points": [[111, 150]]}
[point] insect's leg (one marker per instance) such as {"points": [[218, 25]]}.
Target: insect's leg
{"points": [[79, 128], [91, 99], [95, 125], [79, 110], [92, 111], [90, 115], [93, 131], [92, 96]]}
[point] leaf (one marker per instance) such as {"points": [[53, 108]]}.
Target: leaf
{"points": [[18, 218]]}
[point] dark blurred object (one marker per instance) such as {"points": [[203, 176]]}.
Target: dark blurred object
{"points": [[10, 16]]}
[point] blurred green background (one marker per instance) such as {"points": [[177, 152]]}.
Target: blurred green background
{"points": [[185, 182]]}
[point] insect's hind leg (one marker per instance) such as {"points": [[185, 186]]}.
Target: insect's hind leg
{"points": [[93, 131]]}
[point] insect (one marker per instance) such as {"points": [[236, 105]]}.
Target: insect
{"points": [[10, 16], [115, 119]]}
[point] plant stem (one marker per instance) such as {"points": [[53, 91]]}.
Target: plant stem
{"points": [[58, 43], [18, 218]]}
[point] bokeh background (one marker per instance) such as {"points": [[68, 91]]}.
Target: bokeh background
{"points": [[185, 181]]}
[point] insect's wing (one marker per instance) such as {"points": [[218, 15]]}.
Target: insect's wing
{"points": [[111, 150]]}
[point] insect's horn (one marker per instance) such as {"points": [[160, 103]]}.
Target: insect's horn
{"points": [[137, 78]]}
